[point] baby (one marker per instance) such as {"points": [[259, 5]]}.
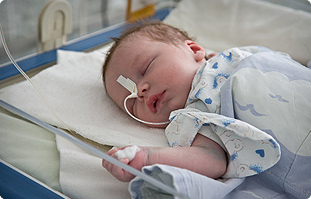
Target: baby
{"points": [[162, 78], [162, 61]]}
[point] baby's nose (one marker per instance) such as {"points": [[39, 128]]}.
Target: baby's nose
{"points": [[142, 91]]}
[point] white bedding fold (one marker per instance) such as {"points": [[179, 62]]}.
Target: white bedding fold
{"points": [[190, 184]]}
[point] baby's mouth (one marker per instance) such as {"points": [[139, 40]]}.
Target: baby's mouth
{"points": [[154, 102]]}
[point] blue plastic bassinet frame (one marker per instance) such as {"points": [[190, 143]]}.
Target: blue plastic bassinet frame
{"points": [[16, 184]]}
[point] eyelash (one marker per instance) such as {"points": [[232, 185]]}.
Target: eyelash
{"points": [[147, 67]]}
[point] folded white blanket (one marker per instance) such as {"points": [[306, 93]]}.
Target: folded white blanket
{"points": [[82, 176]]}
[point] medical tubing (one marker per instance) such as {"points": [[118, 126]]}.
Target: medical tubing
{"points": [[130, 85], [90, 148], [135, 118], [30, 81]]}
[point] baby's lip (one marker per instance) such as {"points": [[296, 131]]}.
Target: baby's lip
{"points": [[154, 102]]}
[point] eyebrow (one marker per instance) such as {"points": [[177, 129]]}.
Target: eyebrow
{"points": [[137, 59]]}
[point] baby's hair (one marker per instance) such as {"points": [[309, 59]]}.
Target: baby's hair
{"points": [[156, 31]]}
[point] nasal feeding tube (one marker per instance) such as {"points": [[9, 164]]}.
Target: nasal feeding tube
{"points": [[131, 86]]}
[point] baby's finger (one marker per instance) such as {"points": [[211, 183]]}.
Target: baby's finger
{"points": [[105, 164], [125, 160], [118, 172], [108, 165], [112, 151], [116, 169]]}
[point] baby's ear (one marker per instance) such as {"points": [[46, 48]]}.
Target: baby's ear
{"points": [[197, 50]]}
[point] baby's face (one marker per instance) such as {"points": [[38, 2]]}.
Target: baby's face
{"points": [[162, 72]]}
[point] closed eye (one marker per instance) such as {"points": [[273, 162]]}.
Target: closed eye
{"points": [[148, 67]]}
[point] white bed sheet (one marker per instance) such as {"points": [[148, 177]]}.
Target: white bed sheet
{"points": [[29, 148]]}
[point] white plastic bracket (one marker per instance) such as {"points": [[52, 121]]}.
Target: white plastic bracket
{"points": [[128, 84], [55, 22]]}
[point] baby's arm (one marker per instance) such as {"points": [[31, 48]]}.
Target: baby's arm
{"points": [[205, 157]]}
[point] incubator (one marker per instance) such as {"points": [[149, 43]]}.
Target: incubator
{"points": [[64, 62]]}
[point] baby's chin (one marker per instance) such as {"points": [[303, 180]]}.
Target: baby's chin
{"points": [[164, 115], [162, 126], [162, 118]]}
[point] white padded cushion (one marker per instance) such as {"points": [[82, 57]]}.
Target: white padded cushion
{"points": [[223, 24]]}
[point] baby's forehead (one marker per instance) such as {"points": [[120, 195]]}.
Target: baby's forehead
{"points": [[124, 54], [133, 38], [126, 49]]}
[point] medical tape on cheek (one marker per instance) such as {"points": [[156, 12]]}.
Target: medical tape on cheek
{"points": [[129, 85]]}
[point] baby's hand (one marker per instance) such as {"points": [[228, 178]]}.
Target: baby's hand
{"points": [[132, 155]]}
